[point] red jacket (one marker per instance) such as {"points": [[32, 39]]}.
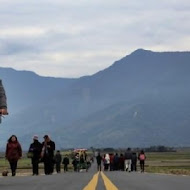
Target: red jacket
{"points": [[13, 151]]}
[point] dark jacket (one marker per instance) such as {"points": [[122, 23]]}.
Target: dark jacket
{"points": [[3, 99], [99, 159], [48, 149], [65, 161], [58, 158], [128, 155], [35, 149], [13, 151]]}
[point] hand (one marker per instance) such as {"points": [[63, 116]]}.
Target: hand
{"points": [[3, 111]]}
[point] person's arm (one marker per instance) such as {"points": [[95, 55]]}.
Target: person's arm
{"points": [[3, 100], [19, 150]]}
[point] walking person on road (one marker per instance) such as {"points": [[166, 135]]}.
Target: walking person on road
{"points": [[128, 157], [48, 155], [13, 153], [34, 153], [66, 163], [99, 162], [142, 159], [58, 159], [106, 162], [134, 162]]}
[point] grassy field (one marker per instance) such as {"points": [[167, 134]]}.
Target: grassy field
{"points": [[171, 163], [168, 162]]}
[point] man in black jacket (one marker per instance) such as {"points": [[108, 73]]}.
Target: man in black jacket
{"points": [[48, 155], [3, 100]]}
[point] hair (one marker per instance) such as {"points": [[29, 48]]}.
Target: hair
{"points": [[10, 139], [142, 151]]}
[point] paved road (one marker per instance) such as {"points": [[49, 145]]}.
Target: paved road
{"points": [[92, 180]]}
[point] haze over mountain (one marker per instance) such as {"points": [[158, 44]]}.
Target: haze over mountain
{"points": [[141, 100]]}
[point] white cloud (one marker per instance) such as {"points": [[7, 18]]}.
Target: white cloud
{"points": [[75, 38]]}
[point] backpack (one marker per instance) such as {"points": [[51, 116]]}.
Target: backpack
{"points": [[142, 157]]}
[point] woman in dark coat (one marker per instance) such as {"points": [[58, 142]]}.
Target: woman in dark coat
{"points": [[13, 153]]}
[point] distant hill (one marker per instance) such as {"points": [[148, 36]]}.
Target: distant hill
{"points": [[141, 100]]}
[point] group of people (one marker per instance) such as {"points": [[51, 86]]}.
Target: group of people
{"points": [[123, 162], [81, 161], [38, 152]]}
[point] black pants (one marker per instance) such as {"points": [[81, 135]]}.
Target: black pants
{"points": [[48, 166], [35, 167], [13, 165], [58, 167], [99, 167], [142, 165], [65, 167]]}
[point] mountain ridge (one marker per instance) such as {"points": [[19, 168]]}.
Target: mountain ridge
{"points": [[142, 80]]}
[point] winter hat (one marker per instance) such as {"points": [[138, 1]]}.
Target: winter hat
{"points": [[35, 137]]}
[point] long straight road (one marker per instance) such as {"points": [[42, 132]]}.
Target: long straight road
{"points": [[92, 180]]}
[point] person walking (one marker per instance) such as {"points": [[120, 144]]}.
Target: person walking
{"points": [[66, 163], [99, 162], [128, 157], [121, 162], [142, 159], [34, 153], [106, 162], [3, 100], [13, 153], [48, 155], [134, 162], [58, 159]]}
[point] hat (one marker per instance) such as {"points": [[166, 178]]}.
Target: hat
{"points": [[46, 136], [35, 137]]}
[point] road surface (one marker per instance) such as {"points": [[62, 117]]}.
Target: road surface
{"points": [[93, 180]]}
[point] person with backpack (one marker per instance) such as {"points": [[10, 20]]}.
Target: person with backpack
{"points": [[142, 159]]}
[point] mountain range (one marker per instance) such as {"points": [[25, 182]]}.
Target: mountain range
{"points": [[140, 100]]}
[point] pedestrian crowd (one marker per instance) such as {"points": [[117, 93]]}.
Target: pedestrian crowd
{"points": [[123, 162], [38, 153]]}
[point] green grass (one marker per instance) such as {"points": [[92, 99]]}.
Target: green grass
{"points": [[170, 163]]}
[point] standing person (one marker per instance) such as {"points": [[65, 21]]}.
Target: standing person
{"points": [[34, 153], [13, 153], [99, 162], [3, 100], [111, 161], [48, 155], [116, 162], [128, 157], [58, 159], [107, 162], [66, 163], [142, 159], [121, 162], [134, 162]]}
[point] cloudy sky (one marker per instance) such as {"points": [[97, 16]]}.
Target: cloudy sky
{"points": [[65, 38]]}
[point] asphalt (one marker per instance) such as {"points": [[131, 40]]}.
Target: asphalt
{"points": [[77, 181]]}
